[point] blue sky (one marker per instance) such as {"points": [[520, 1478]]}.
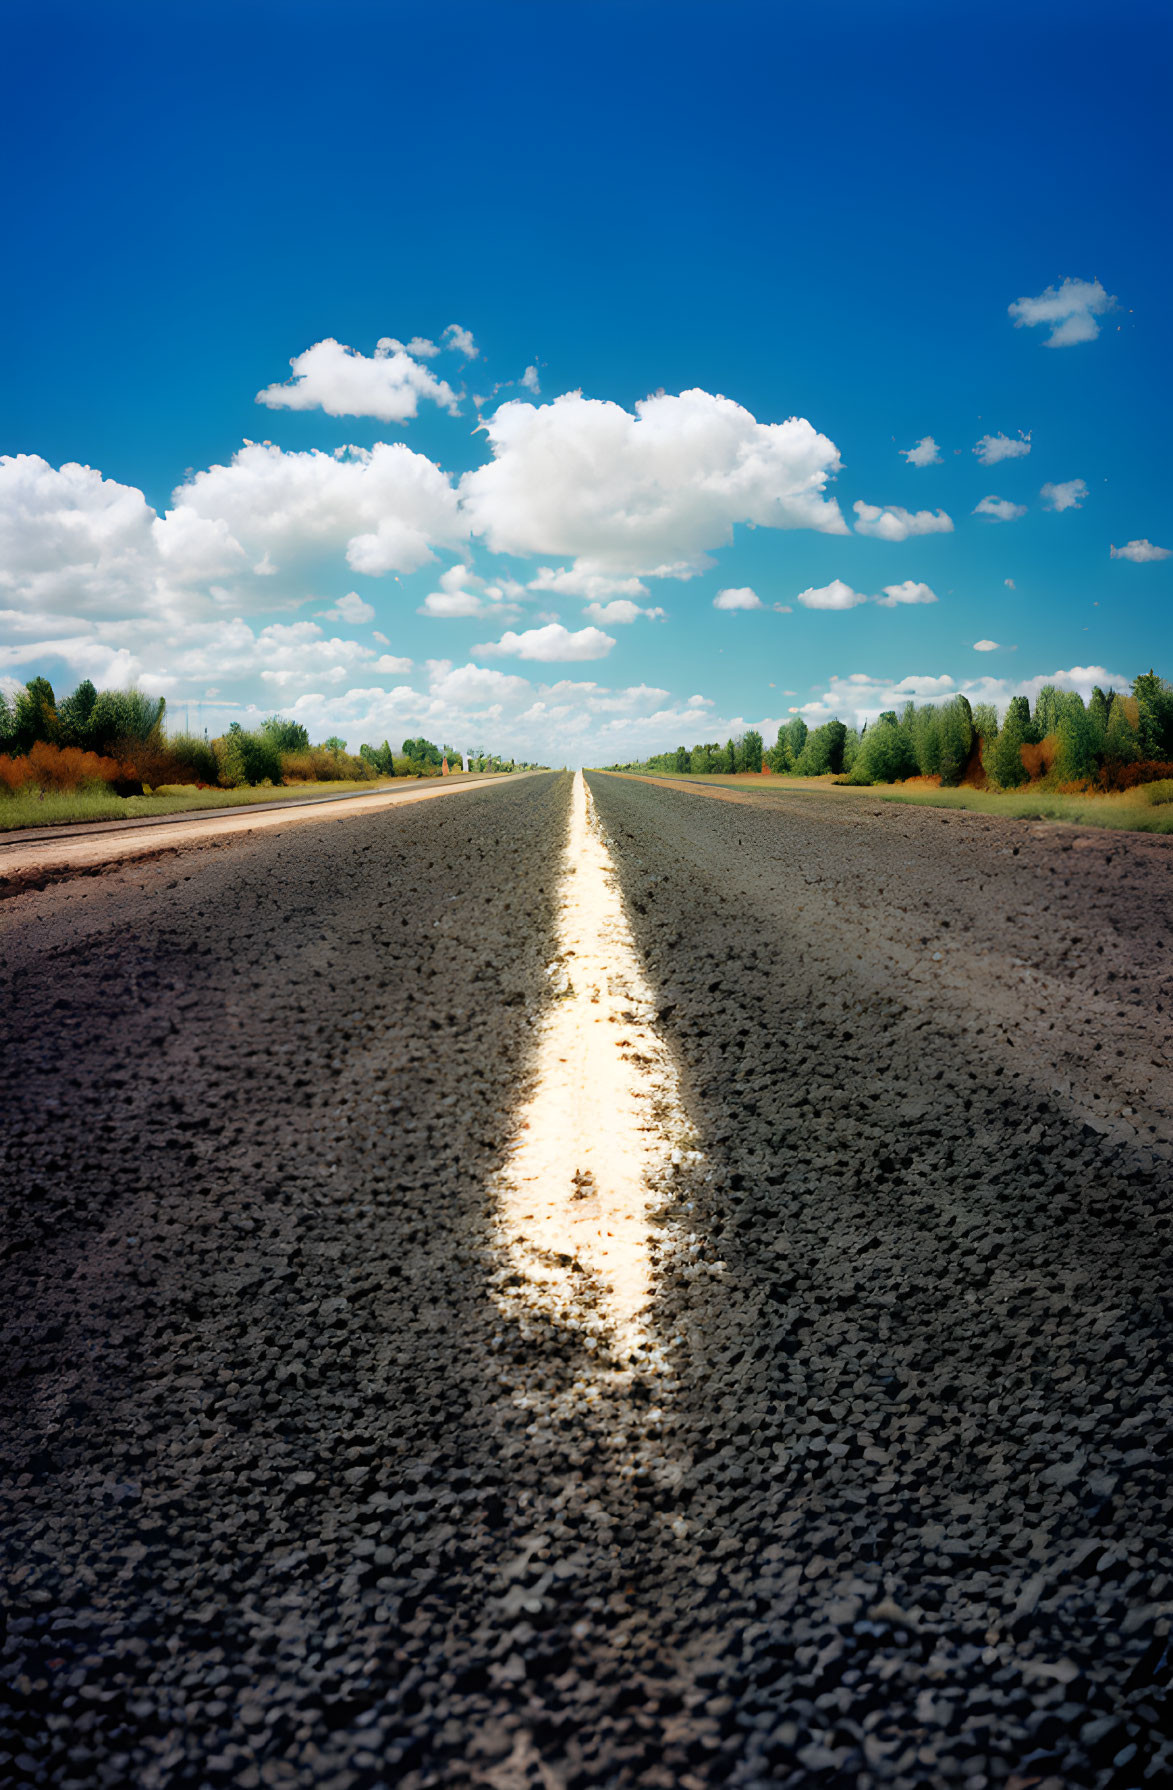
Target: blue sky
{"points": [[819, 214]]}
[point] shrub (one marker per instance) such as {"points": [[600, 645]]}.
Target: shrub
{"points": [[287, 736], [1132, 776], [58, 769], [244, 758], [1159, 792], [317, 765]]}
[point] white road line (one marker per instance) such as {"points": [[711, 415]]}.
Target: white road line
{"points": [[598, 1140]]}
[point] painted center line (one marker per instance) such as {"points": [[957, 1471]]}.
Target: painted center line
{"points": [[604, 1129]]}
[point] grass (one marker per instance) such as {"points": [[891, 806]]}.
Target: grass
{"points": [[1133, 809], [30, 809]]}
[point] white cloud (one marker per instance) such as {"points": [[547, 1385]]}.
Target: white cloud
{"points": [[584, 580], [462, 593], [1141, 552], [331, 377], [551, 644], [390, 664], [644, 494], [908, 592], [986, 646], [741, 597], [925, 453], [1010, 584], [1000, 509], [1071, 309], [621, 610], [385, 506], [420, 348], [349, 608], [835, 595], [1068, 496], [888, 522], [529, 380], [381, 638], [992, 448], [461, 340]]}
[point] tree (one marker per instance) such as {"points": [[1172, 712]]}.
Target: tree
{"points": [[421, 751], [1005, 764], [1154, 700], [1075, 760], [885, 753], [1048, 708], [683, 762], [286, 735], [75, 713], [823, 752], [126, 716], [1121, 745], [729, 757], [34, 716], [698, 758], [335, 744], [1097, 710], [985, 722], [926, 739], [796, 731], [780, 758], [955, 734], [751, 750]]}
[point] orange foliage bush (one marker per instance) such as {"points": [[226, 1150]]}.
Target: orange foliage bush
{"points": [[1131, 776], [58, 768]]}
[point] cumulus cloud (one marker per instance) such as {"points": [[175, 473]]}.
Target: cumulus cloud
{"points": [[1140, 552], [1068, 496], [462, 593], [529, 380], [585, 580], [649, 493], [925, 453], [461, 340], [835, 595], [1071, 310], [349, 608], [741, 597], [331, 377], [621, 610], [985, 646], [888, 522], [551, 644], [385, 506], [909, 592], [992, 448], [1000, 509]]}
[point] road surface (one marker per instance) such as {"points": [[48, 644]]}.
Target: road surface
{"points": [[319, 1471]]}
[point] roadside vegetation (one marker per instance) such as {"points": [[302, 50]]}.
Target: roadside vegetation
{"points": [[106, 754], [1108, 761]]}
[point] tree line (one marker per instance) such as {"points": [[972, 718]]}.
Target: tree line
{"points": [[117, 738], [1116, 740]]}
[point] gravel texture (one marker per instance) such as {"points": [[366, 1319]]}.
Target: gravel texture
{"points": [[300, 1487]]}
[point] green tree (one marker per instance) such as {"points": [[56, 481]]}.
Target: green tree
{"points": [[421, 751], [1048, 709], [885, 753], [985, 722], [335, 744], [1005, 764], [751, 750], [247, 758], [955, 733], [780, 757], [1075, 760], [796, 731], [1154, 699], [729, 757], [823, 751], [286, 735], [1121, 745], [35, 715], [120, 716], [926, 739], [683, 762], [1097, 709], [75, 713]]}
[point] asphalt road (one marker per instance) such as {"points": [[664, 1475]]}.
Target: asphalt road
{"points": [[293, 1497]]}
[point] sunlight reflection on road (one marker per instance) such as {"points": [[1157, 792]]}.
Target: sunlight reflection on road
{"points": [[604, 1131]]}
